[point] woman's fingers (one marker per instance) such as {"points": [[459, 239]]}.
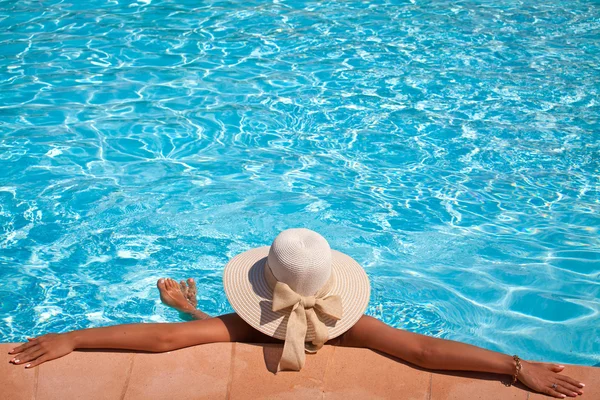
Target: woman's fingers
{"points": [[18, 359], [563, 390], [23, 347], [554, 393], [570, 380], [31, 356], [37, 362], [570, 387], [574, 387]]}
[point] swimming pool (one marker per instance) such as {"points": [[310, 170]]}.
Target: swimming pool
{"points": [[450, 147]]}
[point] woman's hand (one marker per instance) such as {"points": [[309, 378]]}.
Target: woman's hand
{"points": [[545, 378], [42, 349]]}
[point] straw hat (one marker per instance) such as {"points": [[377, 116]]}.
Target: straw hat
{"points": [[297, 290]]}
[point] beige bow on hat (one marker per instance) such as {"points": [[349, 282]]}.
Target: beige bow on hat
{"points": [[303, 308]]}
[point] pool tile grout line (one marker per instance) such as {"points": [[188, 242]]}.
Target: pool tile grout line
{"points": [[36, 377], [430, 386], [323, 385], [128, 376], [231, 365]]}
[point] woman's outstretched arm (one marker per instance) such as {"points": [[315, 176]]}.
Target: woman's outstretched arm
{"points": [[434, 353], [145, 337], [424, 351]]}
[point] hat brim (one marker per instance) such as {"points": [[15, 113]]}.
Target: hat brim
{"points": [[251, 297]]}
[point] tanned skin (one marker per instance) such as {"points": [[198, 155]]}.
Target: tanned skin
{"points": [[423, 351]]}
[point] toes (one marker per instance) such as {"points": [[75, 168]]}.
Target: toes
{"points": [[191, 297], [170, 285], [192, 284], [191, 293]]}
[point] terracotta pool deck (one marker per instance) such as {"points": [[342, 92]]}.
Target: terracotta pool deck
{"points": [[244, 371]]}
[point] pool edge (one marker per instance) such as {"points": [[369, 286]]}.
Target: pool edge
{"points": [[244, 371]]}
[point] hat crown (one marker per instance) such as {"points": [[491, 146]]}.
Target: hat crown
{"points": [[301, 258]]}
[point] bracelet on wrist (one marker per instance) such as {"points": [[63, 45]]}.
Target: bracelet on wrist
{"points": [[517, 369]]}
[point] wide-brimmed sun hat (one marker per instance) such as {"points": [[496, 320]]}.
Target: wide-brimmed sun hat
{"points": [[298, 290]]}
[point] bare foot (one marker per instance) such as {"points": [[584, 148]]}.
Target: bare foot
{"points": [[190, 291], [178, 295]]}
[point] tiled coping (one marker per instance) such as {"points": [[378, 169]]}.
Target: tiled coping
{"points": [[244, 371]]}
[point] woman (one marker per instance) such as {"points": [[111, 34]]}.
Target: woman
{"points": [[300, 293]]}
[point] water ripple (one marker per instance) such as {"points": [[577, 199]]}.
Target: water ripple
{"points": [[451, 148]]}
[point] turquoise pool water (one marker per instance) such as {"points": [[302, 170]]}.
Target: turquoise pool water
{"points": [[452, 148]]}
